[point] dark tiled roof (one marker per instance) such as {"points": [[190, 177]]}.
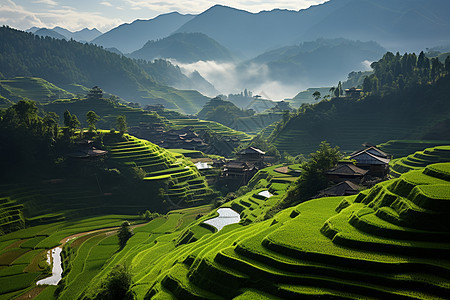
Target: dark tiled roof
{"points": [[368, 158], [347, 170], [340, 189]]}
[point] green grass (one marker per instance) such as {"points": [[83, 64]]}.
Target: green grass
{"points": [[36, 89]]}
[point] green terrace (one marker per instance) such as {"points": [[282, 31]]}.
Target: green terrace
{"points": [[106, 109], [219, 129], [183, 181], [23, 254], [348, 129], [32, 88], [402, 148], [388, 242], [419, 160]]}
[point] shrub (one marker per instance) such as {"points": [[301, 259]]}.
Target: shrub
{"points": [[125, 233], [116, 285]]}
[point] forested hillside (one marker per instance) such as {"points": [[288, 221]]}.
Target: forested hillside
{"points": [[404, 98], [66, 62]]}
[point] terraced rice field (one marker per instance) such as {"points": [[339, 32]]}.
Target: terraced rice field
{"points": [[23, 253], [348, 131], [36, 89], [107, 110], [419, 159], [219, 129], [184, 182], [389, 242], [402, 148]]}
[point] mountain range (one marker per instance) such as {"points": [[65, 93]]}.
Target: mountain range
{"points": [[84, 35], [131, 37]]}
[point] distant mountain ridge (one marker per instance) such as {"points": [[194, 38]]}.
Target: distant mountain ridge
{"points": [[84, 35], [185, 48], [130, 37], [311, 62], [399, 24]]}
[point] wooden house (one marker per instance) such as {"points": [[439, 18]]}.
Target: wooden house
{"points": [[344, 188], [251, 154], [239, 171], [346, 171], [373, 160]]}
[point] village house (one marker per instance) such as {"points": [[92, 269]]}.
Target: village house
{"points": [[353, 92], [344, 188], [253, 155], [85, 149], [239, 171], [372, 159], [346, 171]]}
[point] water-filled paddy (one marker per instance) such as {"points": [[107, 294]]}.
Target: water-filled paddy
{"points": [[226, 217]]}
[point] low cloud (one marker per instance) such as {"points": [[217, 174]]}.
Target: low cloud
{"points": [[229, 78], [17, 16], [366, 65]]}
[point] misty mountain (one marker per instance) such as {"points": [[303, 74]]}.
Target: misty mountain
{"points": [[131, 37], [64, 62], [84, 35], [396, 24], [50, 33], [318, 63], [184, 48], [166, 73]]}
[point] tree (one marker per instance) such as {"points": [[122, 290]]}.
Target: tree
{"points": [[312, 179], [116, 285], [124, 233], [316, 95], [121, 122], [332, 89], [92, 119]]}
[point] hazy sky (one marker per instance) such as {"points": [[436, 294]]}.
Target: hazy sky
{"points": [[106, 14]]}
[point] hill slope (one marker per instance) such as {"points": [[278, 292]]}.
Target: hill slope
{"points": [[130, 37], [318, 63], [404, 98], [185, 48], [349, 247], [66, 62]]}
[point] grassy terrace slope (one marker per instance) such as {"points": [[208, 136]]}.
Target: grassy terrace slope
{"points": [[420, 159], [106, 109], [389, 242], [36, 89], [401, 148], [177, 175], [23, 253], [219, 129], [408, 114]]}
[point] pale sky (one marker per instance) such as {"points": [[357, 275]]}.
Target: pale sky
{"points": [[106, 14]]}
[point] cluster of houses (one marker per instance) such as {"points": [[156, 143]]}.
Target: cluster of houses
{"points": [[364, 168], [184, 138]]}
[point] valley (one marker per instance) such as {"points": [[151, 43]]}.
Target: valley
{"points": [[228, 153]]}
